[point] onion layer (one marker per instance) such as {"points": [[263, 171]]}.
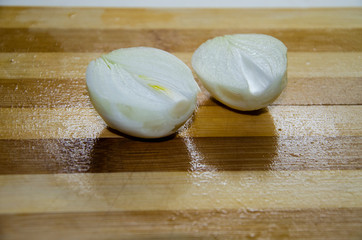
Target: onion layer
{"points": [[141, 91], [243, 71]]}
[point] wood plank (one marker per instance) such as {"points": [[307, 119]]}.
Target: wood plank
{"points": [[68, 66], [321, 91], [37, 123], [118, 18], [26, 76], [61, 66], [172, 40], [209, 121], [58, 93], [220, 154], [215, 121], [198, 190], [40, 93], [188, 224]]}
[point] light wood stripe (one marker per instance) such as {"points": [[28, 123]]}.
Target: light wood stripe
{"points": [[208, 224], [145, 191], [222, 154], [63, 66], [40, 93], [68, 66], [172, 40], [209, 121], [321, 91], [113, 18]]}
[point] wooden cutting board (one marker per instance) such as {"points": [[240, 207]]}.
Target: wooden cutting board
{"points": [[290, 171]]}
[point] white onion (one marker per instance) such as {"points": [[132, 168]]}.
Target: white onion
{"points": [[141, 91], [243, 71]]}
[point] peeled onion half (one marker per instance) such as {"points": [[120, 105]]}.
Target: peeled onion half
{"points": [[244, 71], [143, 92]]}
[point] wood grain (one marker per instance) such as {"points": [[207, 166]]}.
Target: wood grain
{"points": [[53, 156], [218, 224], [113, 18], [209, 121], [290, 171], [172, 40], [71, 66], [197, 190], [57, 79], [65, 93]]}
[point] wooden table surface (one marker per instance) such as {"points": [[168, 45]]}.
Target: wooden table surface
{"points": [[290, 171]]}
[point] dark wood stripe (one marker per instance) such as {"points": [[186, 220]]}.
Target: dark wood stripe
{"points": [[89, 40], [73, 93], [188, 224], [229, 154]]}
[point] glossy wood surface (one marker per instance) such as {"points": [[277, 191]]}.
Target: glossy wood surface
{"points": [[289, 171]]}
